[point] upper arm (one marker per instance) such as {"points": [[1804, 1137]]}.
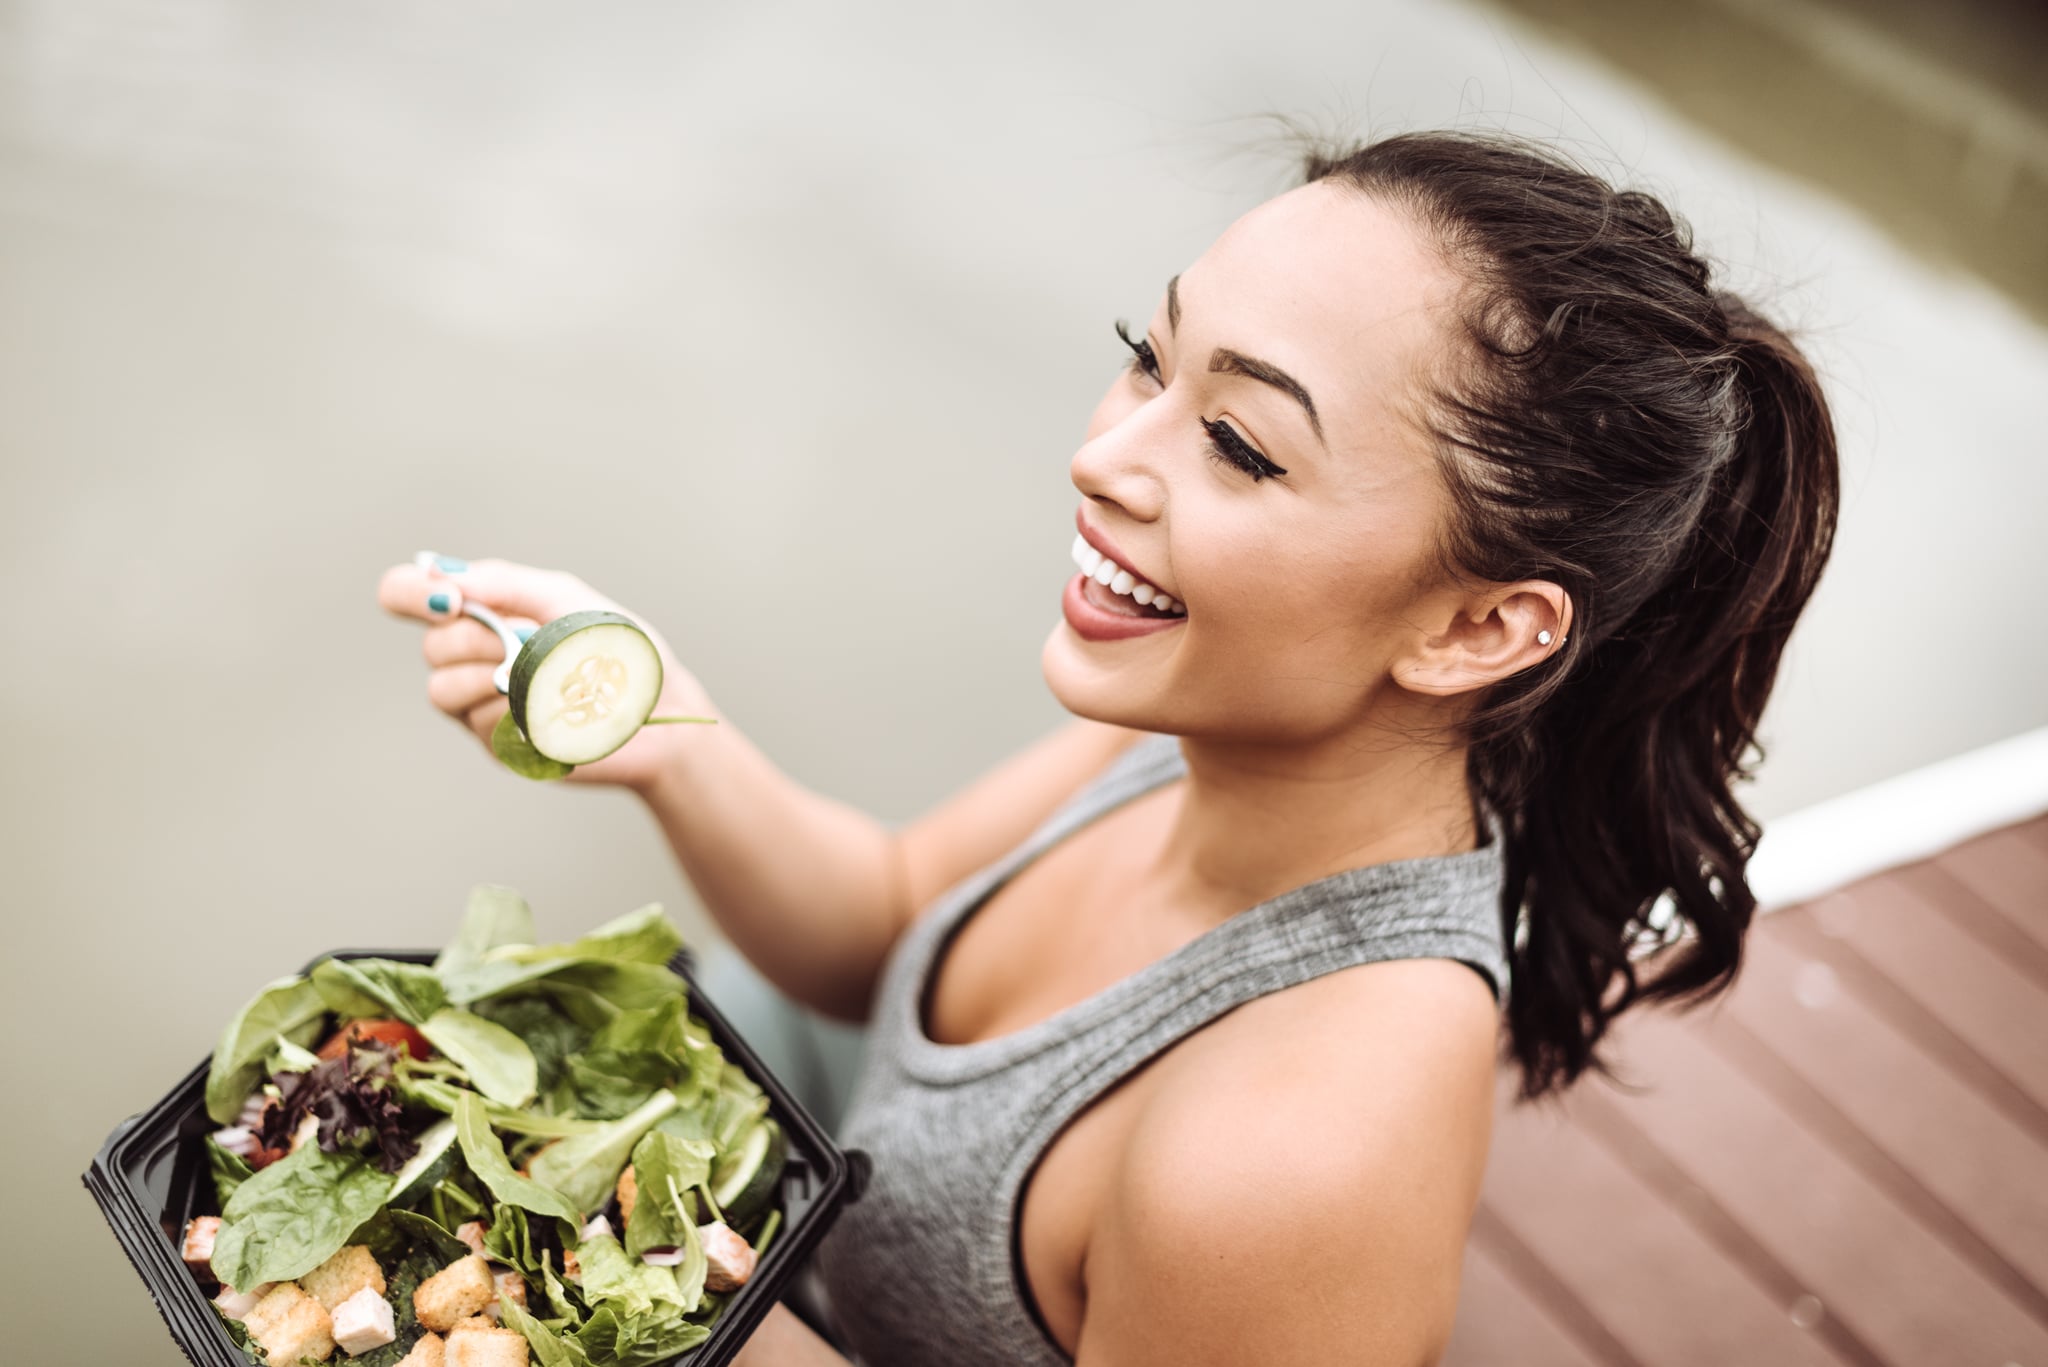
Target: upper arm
{"points": [[1313, 1209], [989, 817]]}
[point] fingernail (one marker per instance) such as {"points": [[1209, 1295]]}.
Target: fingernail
{"points": [[525, 633], [450, 564], [440, 602]]}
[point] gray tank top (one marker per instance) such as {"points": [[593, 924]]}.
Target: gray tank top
{"points": [[924, 1270]]}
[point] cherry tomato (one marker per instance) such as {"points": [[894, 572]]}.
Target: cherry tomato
{"points": [[397, 1034]]}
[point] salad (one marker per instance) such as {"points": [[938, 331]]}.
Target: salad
{"points": [[520, 1153]]}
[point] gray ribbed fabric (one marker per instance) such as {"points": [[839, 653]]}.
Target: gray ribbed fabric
{"points": [[922, 1270]]}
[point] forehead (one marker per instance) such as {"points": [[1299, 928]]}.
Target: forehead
{"points": [[1339, 288]]}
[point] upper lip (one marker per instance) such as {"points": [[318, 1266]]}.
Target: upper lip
{"points": [[1101, 542]]}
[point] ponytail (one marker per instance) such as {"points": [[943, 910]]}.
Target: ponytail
{"points": [[1664, 454]]}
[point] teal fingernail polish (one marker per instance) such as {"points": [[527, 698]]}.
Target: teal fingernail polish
{"points": [[438, 602], [450, 564], [526, 633]]}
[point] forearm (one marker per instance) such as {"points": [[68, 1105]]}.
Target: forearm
{"points": [[808, 888], [783, 1340]]}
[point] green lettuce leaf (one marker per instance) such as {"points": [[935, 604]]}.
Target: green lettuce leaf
{"points": [[664, 1168], [290, 1009], [549, 1348], [295, 1214], [497, 1061], [639, 1340], [445, 1096], [486, 1158], [495, 917], [550, 1035], [359, 989], [625, 1285], [585, 1168]]}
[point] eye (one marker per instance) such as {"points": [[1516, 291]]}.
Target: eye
{"points": [[1227, 446], [1143, 359]]}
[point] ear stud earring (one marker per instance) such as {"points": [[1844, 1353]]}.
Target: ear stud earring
{"points": [[1542, 638]]}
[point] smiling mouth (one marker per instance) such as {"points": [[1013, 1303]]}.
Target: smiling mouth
{"points": [[1113, 588]]}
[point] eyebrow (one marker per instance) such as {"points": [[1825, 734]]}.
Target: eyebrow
{"points": [[1227, 362]]}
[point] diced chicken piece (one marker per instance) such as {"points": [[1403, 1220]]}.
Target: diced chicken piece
{"points": [[628, 1192], [456, 1292], [428, 1351], [351, 1270], [489, 1346], [197, 1250], [512, 1287], [236, 1305], [730, 1258], [289, 1325], [364, 1321], [471, 1232]]}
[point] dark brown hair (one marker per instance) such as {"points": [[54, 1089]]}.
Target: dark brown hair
{"points": [[1619, 426]]}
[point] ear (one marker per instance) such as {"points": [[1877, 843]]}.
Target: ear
{"points": [[1486, 639]]}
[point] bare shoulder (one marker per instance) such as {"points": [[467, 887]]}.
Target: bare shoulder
{"points": [[1301, 1181]]}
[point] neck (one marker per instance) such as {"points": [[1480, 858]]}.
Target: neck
{"points": [[1255, 821]]}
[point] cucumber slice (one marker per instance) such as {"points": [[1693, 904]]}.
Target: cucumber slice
{"points": [[427, 1166], [745, 1178], [583, 684]]}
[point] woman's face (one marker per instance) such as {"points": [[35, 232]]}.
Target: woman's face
{"points": [[1296, 344]]}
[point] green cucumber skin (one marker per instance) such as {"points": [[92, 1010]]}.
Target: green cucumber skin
{"points": [[539, 645]]}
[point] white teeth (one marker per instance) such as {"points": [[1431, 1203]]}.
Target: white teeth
{"points": [[1114, 577]]}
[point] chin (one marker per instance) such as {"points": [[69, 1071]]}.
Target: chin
{"points": [[1090, 687]]}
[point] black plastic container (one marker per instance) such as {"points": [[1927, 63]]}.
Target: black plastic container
{"points": [[150, 1177]]}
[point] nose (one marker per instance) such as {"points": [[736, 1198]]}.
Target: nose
{"points": [[1122, 465]]}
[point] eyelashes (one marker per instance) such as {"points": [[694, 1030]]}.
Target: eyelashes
{"points": [[1225, 445]]}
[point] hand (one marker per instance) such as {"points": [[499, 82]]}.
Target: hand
{"points": [[461, 654]]}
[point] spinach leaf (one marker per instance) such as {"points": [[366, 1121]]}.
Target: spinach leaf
{"points": [[370, 988], [497, 1061], [290, 1008], [551, 1036], [228, 1170], [549, 1348], [429, 1236], [494, 918], [664, 1167], [444, 1097], [585, 1168], [295, 1214], [486, 1158]]}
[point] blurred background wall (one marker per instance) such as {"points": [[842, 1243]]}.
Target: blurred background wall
{"points": [[780, 323]]}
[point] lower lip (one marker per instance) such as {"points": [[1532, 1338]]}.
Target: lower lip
{"points": [[1092, 623]]}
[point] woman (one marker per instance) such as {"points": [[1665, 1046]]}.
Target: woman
{"points": [[1472, 521]]}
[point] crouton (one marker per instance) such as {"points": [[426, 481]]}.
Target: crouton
{"points": [[572, 1266], [487, 1347], [341, 1276], [198, 1247], [730, 1258], [628, 1192], [364, 1321], [456, 1292], [428, 1351], [471, 1232], [289, 1325]]}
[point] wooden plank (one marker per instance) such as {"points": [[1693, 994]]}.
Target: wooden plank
{"points": [[1961, 1166], [1499, 1322], [1977, 918], [1660, 1291], [2009, 870], [1995, 1008], [1902, 1293]]}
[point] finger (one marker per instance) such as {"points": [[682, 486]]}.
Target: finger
{"points": [[484, 719], [466, 641], [519, 590], [458, 689], [409, 591]]}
